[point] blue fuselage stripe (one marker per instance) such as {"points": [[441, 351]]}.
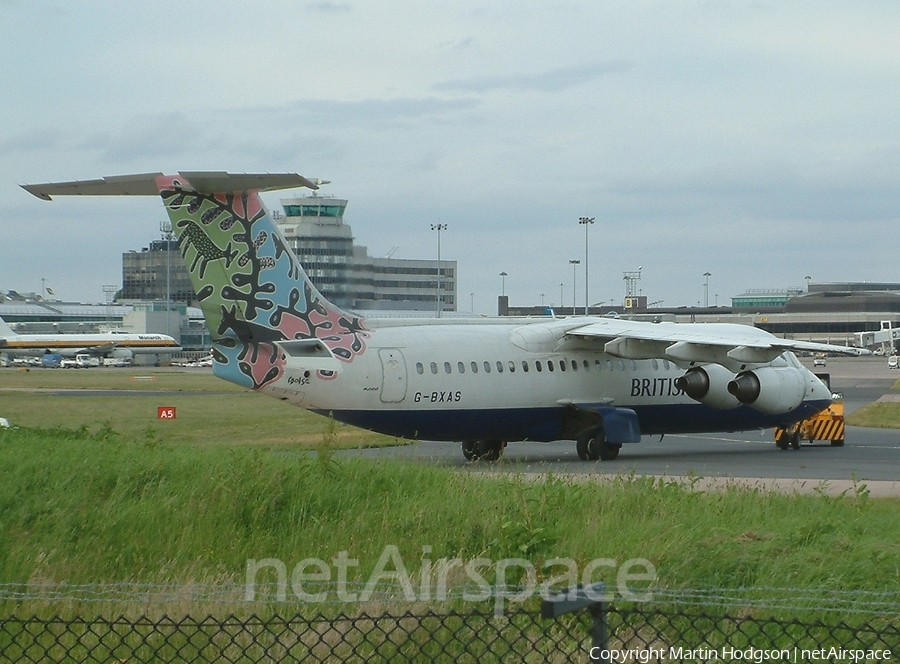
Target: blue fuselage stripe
{"points": [[545, 424]]}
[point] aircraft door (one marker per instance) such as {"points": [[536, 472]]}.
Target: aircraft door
{"points": [[393, 382]]}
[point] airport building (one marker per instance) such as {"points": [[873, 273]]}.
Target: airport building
{"points": [[156, 272], [836, 313], [343, 271]]}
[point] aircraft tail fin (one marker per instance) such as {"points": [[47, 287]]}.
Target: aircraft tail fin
{"points": [[251, 287], [5, 330]]}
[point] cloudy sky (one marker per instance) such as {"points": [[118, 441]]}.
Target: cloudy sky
{"points": [[757, 141]]}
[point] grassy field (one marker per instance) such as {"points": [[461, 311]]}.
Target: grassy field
{"points": [[94, 489], [82, 507], [210, 411]]}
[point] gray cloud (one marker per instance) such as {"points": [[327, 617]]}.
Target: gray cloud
{"points": [[552, 80], [329, 7], [373, 111]]}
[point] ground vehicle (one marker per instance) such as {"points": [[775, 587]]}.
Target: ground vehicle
{"points": [[827, 424], [894, 362], [51, 360], [819, 360], [86, 360]]}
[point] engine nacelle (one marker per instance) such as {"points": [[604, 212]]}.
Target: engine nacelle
{"points": [[708, 385], [771, 390]]}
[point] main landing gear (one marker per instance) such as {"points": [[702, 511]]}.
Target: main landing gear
{"points": [[483, 450], [593, 445]]}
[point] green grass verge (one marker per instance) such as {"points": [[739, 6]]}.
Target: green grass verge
{"points": [[880, 414], [128, 378], [83, 507], [210, 411]]}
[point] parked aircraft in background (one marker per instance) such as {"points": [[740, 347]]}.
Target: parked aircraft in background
{"points": [[484, 382], [105, 344]]}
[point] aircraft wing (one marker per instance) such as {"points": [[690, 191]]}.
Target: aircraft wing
{"points": [[732, 345], [99, 349]]}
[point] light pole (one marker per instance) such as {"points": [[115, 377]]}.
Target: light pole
{"points": [[503, 276], [575, 264], [439, 228], [165, 227], [561, 286], [586, 222], [706, 289]]}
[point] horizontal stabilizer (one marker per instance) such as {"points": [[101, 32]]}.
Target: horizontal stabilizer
{"points": [[145, 184]]}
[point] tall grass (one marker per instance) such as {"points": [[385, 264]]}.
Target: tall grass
{"points": [[95, 506]]}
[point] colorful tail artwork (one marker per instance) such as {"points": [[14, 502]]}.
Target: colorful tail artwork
{"points": [[251, 287]]}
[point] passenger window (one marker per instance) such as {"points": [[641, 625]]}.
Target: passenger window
{"points": [[655, 365], [562, 365], [666, 365], [487, 367], [575, 365], [537, 365], [621, 365], [512, 366], [609, 365], [525, 366], [549, 365], [447, 367], [474, 367], [420, 368], [633, 365], [434, 367], [499, 366], [598, 365], [461, 366]]}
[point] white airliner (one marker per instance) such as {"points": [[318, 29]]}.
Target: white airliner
{"points": [[105, 344], [482, 382]]}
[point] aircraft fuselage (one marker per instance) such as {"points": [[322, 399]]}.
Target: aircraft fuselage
{"points": [[458, 382]]}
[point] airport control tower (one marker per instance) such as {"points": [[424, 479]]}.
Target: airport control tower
{"points": [[345, 274]]}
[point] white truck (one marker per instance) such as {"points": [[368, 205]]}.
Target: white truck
{"points": [[86, 360]]}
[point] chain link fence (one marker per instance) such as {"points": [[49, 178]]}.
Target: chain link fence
{"points": [[629, 634]]}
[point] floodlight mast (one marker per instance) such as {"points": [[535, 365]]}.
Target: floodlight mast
{"points": [[586, 222]]}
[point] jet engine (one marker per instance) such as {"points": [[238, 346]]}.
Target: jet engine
{"points": [[772, 390], [708, 385]]}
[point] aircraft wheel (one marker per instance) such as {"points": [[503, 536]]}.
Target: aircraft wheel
{"points": [[606, 451], [783, 441], [468, 450], [588, 447], [795, 441], [485, 450], [837, 443], [582, 446]]}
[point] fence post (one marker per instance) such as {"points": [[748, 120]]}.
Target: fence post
{"points": [[583, 597]]}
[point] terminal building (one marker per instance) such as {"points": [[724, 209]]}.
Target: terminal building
{"points": [[845, 313], [314, 229]]}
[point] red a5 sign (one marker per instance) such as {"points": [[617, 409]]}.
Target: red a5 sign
{"points": [[165, 413]]}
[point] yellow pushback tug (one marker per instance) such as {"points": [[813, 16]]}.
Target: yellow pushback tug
{"points": [[827, 425]]}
